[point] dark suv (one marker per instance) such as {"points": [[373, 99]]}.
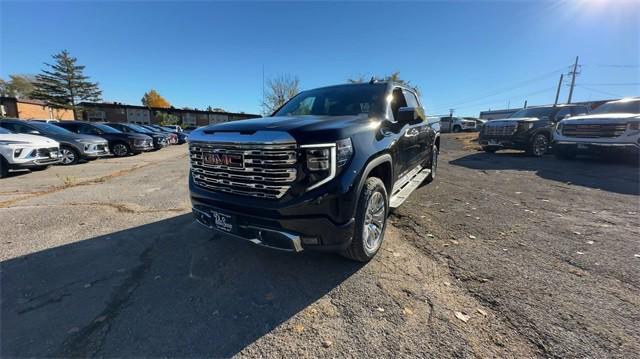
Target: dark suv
{"points": [[529, 129], [320, 173], [120, 143], [159, 140]]}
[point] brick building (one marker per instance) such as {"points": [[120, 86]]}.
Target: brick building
{"points": [[119, 112], [31, 109]]}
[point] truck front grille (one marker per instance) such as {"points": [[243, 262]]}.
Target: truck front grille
{"points": [[263, 171], [500, 129], [594, 130]]}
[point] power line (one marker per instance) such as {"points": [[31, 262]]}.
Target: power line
{"points": [[503, 100], [600, 91], [503, 90], [614, 84]]}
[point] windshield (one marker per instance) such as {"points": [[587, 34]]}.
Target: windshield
{"points": [[337, 101], [107, 129], [538, 112], [139, 128], [49, 128], [632, 106], [4, 131]]}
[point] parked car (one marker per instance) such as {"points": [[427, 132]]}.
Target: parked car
{"points": [[529, 129], [120, 143], [612, 127], [173, 128], [479, 122], [73, 147], [159, 139], [456, 124], [19, 151], [320, 173], [180, 137], [172, 137]]}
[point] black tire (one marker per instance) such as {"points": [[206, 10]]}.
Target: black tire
{"points": [[456, 129], [564, 154], [489, 149], [72, 155], [539, 145], [120, 149], [433, 164], [40, 168], [359, 250], [4, 167]]}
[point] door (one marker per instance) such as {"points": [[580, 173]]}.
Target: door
{"points": [[406, 137], [424, 135]]}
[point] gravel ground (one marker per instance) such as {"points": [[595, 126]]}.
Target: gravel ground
{"points": [[502, 256]]}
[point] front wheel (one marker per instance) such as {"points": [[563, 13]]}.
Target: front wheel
{"points": [[69, 155], [539, 145], [371, 221], [489, 149], [457, 129], [120, 149]]}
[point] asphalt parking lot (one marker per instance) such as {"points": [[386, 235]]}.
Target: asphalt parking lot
{"points": [[502, 256]]}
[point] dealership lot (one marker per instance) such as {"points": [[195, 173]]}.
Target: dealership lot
{"points": [[503, 255]]}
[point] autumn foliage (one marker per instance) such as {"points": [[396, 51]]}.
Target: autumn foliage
{"points": [[153, 99]]}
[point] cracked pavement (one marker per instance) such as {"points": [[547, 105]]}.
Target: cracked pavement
{"points": [[103, 259]]}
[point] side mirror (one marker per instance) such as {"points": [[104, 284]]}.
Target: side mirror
{"points": [[410, 114]]}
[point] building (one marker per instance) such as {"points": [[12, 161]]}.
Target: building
{"points": [[115, 112], [31, 109], [498, 114], [119, 112]]}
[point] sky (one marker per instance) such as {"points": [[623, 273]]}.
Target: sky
{"points": [[468, 55]]}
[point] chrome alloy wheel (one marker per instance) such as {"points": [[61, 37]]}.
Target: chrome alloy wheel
{"points": [[374, 221], [120, 150], [68, 156], [434, 161]]}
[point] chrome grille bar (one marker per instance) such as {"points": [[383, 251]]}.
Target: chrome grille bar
{"points": [[593, 130], [499, 129], [267, 171]]}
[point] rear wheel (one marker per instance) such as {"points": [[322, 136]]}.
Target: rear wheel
{"points": [[539, 145], [120, 149], [69, 155], [489, 149], [371, 220], [433, 163]]}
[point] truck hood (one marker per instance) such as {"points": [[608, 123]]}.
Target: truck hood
{"points": [[503, 121], [602, 118], [31, 139], [304, 129]]}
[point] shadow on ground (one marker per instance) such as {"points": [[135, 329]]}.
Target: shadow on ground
{"points": [[614, 176], [168, 288]]}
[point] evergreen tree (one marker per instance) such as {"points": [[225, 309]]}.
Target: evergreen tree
{"points": [[63, 85]]}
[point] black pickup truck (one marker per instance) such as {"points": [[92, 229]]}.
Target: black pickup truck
{"points": [[321, 173]]}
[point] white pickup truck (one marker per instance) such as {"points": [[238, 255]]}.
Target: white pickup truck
{"points": [[21, 151], [612, 127]]}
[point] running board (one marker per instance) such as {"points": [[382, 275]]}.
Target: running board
{"points": [[403, 192]]}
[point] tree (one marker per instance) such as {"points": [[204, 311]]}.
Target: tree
{"points": [[18, 86], [63, 85], [279, 90], [153, 99], [168, 118], [394, 77]]}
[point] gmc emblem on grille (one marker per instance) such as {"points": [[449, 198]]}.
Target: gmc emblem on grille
{"points": [[223, 159]]}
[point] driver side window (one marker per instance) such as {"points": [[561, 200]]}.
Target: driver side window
{"points": [[397, 101], [88, 130]]}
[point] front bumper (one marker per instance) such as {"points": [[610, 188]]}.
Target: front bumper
{"points": [[595, 146], [305, 220], [513, 142], [96, 150], [36, 157]]}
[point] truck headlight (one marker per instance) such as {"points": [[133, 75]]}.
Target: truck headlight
{"points": [[633, 126], [323, 160], [559, 128]]}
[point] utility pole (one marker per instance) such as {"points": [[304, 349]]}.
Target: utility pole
{"points": [[262, 87], [573, 79], [558, 91], [525, 104], [451, 111]]}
